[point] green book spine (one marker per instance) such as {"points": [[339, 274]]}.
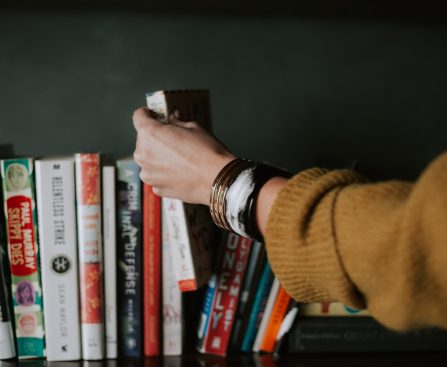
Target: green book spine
{"points": [[21, 227]]}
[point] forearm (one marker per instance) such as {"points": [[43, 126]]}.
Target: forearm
{"points": [[332, 237]]}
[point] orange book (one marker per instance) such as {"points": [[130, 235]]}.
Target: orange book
{"points": [[278, 313]]}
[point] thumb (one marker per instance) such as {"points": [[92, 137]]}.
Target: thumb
{"points": [[142, 117]]}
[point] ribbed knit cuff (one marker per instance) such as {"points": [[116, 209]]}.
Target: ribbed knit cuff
{"points": [[301, 239]]}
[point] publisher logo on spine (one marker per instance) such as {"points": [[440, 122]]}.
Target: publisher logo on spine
{"points": [[60, 264]]}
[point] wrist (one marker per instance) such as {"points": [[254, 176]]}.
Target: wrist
{"points": [[234, 195]]}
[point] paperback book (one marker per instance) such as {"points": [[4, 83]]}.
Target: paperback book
{"points": [[23, 248]]}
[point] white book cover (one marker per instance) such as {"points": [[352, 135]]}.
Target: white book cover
{"points": [[7, 347], [88, 199], [172, 297], [183, 252], [55, 193], [109, 235], [266, 316]]}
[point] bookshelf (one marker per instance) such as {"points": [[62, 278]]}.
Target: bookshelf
{"points": [[312, 78]]}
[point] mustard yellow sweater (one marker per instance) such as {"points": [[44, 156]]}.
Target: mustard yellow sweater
{"points": [[333, 236]]}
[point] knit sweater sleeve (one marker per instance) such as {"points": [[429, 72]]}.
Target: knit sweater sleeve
{"points": [[331, 236]]}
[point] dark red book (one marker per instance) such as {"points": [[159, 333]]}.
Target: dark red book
{"points": [[152, 271], [228, 287]]}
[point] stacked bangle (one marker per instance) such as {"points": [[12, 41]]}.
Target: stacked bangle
{"points": [[234, 192]]}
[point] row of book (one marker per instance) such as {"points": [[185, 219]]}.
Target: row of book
{"points": [[94, 265]]}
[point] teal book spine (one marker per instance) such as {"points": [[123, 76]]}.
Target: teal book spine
{"points": [[23, 252]]}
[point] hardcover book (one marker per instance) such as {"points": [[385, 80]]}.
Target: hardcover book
{"points": [[266, 315], [88, 197], [229, 280], [129, 259], [151, 271], [7, 342], [257, 310], [109, 234], [190, 225], [358, 334], [55, 192], [23, 248], [330, 309]]}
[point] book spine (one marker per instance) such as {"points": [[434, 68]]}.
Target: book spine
{"points": [[255, 264], [129, 259], [183, 258], [7, 344], [266, 315], [23, 248], [260, 300], [90, 256], [55, 192], [171, 295], [358, 334], [152, 271], [286, 325], [278, 313], [229, 283], [205, 314], [110, 261]]}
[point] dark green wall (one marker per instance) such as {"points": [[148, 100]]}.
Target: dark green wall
{"points": [[291, 90]]}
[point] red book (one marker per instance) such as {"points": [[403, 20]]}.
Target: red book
{"points": [[228, 286], [88, 189], [152, 271]]}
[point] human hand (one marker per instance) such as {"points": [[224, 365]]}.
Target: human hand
{"points": [[179, 159]]}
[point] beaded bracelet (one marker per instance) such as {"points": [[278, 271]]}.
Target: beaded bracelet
{"points": [[234, 193]]}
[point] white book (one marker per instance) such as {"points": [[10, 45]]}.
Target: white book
{"points": [[109, 234], [190, 241], [7, 347], [266, 316], [172, 297], [55, 193], [189, 225], [88, 198]]}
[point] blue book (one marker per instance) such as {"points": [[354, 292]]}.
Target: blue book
{"points": [[262, 293], [129, 253], [205, 314]]}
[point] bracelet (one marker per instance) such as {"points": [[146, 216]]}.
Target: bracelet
{"points": [[234, 194]]}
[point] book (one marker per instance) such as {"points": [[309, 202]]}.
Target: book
{"points": [[358, 334], [286, 325], [229, 281], [88, 198], [23, 247], [172, 330], [279, 311], [330, 309], [110, 260], [190, 225], [252, 276], [257, 310], [266, 315], [7, 340], [129, 259], [151, 271], [55, 193]]}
